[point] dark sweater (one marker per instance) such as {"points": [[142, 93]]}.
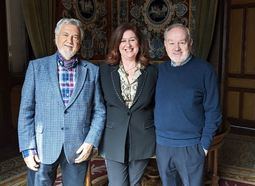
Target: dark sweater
{"points": [[187, 110]]}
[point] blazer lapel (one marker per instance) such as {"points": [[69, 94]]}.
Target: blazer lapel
{"points": [[116, 83], [53, 75], [141, 81], [80, 80]]}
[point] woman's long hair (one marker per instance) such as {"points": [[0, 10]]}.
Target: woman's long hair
{"points": [[113, 57]]}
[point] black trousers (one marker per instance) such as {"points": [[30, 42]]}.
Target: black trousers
{"points": [[125, 174], [181, 165]]}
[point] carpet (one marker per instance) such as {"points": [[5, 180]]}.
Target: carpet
{"points": [[13, 173], [224, 182], [237, 159]]}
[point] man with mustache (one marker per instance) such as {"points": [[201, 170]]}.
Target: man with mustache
{"points": [[62, 113]]}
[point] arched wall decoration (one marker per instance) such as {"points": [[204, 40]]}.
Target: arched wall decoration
{"points": [[157, 14], [85, 10], [101, 17], [94, 16], [153, 16]]}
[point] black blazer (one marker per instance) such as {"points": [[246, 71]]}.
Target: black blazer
{"points": [[138, 119]]}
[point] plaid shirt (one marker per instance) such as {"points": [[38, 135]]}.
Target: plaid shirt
{"points": [[66, 79]]}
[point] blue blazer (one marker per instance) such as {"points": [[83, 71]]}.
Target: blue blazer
{"points": [[46, 124]]}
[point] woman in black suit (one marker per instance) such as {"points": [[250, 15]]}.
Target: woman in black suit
{"points": [[128, 83]]}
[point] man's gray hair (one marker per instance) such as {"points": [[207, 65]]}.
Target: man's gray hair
{"points": [[178, 25], [70, 21]]}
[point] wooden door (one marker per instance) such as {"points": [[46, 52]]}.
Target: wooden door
{"points": [[239, 88]]}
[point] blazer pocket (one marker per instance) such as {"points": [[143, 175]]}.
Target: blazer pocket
{"points": [[149, 124], [39, 129]]}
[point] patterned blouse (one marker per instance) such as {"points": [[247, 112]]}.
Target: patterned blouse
{"points": [[128, 88]]}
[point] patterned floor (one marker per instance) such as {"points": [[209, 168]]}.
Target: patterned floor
{"points": [[13, 172], [237, 158], [237, 166]]}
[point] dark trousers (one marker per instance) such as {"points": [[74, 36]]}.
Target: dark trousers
{"points": [[72, 174], [125, 174], [181, 165]]}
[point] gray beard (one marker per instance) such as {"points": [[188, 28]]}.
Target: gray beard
{"points": [[67, 54]]}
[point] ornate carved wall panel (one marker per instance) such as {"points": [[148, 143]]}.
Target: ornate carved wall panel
{"points": [[101, 17], [95, 16], [153, 16]]}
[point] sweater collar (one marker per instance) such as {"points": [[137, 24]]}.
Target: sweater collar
{"points": [[182, 63]]}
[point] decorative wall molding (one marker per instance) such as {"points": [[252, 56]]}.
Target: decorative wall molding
{"points": [[153, 16], [101, 17], [94, 14]]}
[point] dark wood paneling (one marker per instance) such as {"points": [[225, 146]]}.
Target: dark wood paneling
{"points": [[238, 80], [7, 133]]}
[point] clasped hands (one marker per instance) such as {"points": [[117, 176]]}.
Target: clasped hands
{"points": [[33, 161]]}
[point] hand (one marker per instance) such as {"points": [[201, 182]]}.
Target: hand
{"points": [[206, 152], [84, 151], [32, 162]]}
